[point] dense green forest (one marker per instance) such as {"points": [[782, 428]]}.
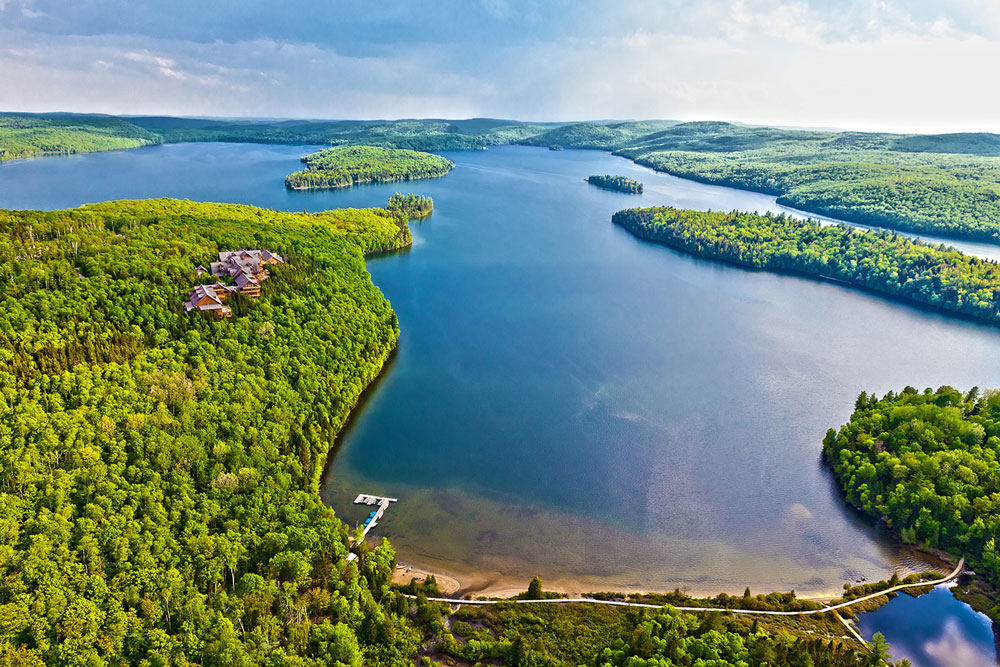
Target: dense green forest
{"points": [[941, 184], [158, 472], [28, 136], [926, 463], [413, 207], [572, 635], [619, 183], [881, 261], [345, 166], [597, 136], [421, 135]]}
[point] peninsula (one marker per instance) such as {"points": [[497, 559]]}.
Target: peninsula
{"points": [[345, 166], [879, 261], [927, 464]]}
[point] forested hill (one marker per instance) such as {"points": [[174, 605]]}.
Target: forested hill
{"points": [[28, 136], [351, 165], [880, 261], [158, 470], [942, 184], [928, 465]]}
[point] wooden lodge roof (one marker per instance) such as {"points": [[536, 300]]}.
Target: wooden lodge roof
{"points": [[246, 269]]}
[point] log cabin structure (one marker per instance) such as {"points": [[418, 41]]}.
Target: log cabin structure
{"points": [[206, 299], [247, 270]]}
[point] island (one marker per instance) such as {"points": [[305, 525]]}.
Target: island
{"points": [[413, 207], [345, 166], [879, 261], [927, 465], [617, 183]]}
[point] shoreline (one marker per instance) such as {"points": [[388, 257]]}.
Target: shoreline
{"points": [[458, 584]]}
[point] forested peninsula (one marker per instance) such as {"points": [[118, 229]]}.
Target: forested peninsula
{"points": [[926, 464], [352, 165], [617, 183], [880, 261], [29, 136], [160, 471]]}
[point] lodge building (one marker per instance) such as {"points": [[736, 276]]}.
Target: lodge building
{"points": [[247, 270]]}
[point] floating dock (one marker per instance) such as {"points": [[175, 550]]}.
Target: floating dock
{"points": [[372, 520]]}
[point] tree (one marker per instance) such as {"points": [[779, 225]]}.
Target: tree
{"points": [[535, 589]]}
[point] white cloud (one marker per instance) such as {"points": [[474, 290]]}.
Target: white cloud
{"points": [[878, 64]]}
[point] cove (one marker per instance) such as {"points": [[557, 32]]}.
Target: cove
{"points": [[571, 402]]}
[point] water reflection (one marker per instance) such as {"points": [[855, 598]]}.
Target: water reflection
{"points": [[934, 630]]}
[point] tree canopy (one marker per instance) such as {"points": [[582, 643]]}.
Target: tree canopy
{"points": [[351, 165], [927, 464], [879, 261]]}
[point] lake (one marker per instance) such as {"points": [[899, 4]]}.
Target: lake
{"points": [[569, 401]]}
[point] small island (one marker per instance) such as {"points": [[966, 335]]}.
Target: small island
{"points": [[411, 206], [880, 261], [617, 183], [345, 166]]}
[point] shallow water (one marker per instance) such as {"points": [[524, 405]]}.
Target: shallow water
{"points": [[569, 401]]}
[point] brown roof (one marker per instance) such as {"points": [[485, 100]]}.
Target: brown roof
{"points": [[199, 294]]}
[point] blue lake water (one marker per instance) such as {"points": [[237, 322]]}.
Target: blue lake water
{"points": [[569, 401], [934, 630]]}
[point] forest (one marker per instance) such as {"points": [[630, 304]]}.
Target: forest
{"points": [[879, 261], [617, 183], [345, 166], [411, 206], [939, 184], [926, 464], [420, 135], [28, 135], [572, 635], [158, 472]]}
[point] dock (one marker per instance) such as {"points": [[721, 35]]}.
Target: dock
{"points": [[372, 520]]}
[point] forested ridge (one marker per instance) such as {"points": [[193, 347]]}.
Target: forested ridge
{"points": [[352, 165], [941, 184], [880, 261], [28, 136], [926, 463]]}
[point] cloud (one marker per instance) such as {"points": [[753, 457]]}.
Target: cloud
{"points": [[953, 649], [860, 63]]}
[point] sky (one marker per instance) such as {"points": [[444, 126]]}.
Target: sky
{"points": [[918, 66]]}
